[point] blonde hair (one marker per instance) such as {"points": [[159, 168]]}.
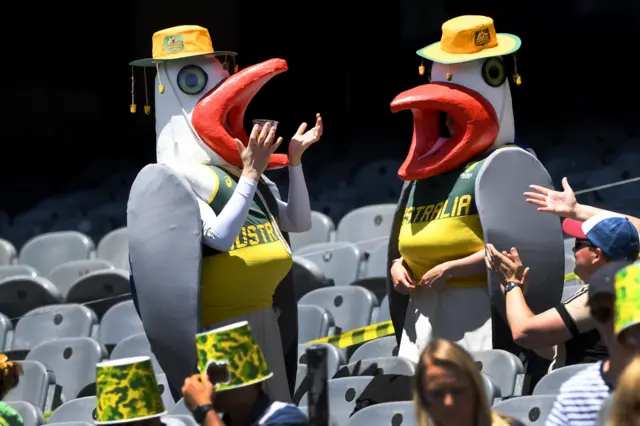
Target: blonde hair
{"points": [[451, 355], [626, 396], [10, 373]]}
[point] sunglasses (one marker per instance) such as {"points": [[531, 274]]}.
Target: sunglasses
{"points": [[601, 314], [580, 244]]}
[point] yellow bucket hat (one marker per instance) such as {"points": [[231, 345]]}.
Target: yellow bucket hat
{"points": [[231, 357], [179, 42], [127, 390], [467, 38], [627, 305]]}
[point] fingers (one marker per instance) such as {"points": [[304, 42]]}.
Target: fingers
{"points": [[539, 203], [276, 145], [301, 129], [514, 254], [540, 189], [535, 196], [565, 185], [265, 133], [319, 123], [270, 136], [525, 273], [241, 146], [255, 133], [408, 278]]}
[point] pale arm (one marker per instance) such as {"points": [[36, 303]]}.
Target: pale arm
{"points": [[467, 266], [220, 231], [534, 331], [583, 212], [295, 214]]}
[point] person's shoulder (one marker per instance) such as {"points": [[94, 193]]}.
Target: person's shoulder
{"points": [[588, 379], [9, 416], [282, 413]]}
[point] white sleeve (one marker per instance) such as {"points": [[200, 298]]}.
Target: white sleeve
{"points": [[220, 231], [295, 214]]}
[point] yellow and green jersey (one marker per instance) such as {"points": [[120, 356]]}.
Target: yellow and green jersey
{"points": [[243, 279]]}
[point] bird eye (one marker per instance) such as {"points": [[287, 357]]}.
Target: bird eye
{"points": [[192, 79], [493, 72]]}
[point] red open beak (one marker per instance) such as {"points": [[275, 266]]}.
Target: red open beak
{"points": [[475, 123], [219, 115]]}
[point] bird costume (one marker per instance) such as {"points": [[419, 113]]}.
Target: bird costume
{"points": [[464, 189], [206, 247]]}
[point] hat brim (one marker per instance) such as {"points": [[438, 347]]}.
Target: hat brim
{"points": [[507, 43], [573, 228], [150, 62], [121, 422]]}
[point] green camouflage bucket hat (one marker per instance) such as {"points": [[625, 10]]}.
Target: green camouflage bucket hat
{"points": [[127, 390], [627, 306], [230, 357]]}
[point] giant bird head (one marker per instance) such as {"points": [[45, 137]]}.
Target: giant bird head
{"points": [[466, 108], [201, 105]]}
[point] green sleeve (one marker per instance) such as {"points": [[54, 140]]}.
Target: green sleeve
{"points": [[9, 416]]}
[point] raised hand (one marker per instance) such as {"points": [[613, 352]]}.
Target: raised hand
{"points": [[303, 140], [561, 203], [255, 156]]}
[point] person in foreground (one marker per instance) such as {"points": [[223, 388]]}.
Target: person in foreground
{"points": [[449, 390], [127, 393], [568, 327], [233, 372], [10, 373], [582, 396]]}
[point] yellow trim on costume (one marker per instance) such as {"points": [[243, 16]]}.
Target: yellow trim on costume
{"points": [[215, 187]]}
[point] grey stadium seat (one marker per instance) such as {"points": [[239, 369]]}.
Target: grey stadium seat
{"points": [[605, 412], [378, 348], [366, 226], [401, 413], [8, 253], [184, 420], [384, 313], [65, 275], [301, 373], [136, 345], [21, 294], [114, 247], [314, 322], [504, 368], [31, 416], [377, 261], [339, 261], [351, 307], [307, 276], [47, 251], [532, 410], [77, 410], [343, 394], [180, 409], [102, 289], [7, 271], [53, 322], [73, 361], [550, 383], [6, 331], [35, 385], [378, 366], [335, 358], [119, 322], [321, 228], [490, 388]]}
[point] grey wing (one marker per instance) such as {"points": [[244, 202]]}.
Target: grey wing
{"points": [[165, 233], [507, 221]]}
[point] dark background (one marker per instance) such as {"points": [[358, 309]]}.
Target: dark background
{"points": [[66, 79]]}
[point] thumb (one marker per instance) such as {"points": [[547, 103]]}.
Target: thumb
{"points": [[241, 146], [525, 274], [565, 185]]}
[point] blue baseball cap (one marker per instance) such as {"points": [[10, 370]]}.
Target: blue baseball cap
{"points": [[612, 233]]}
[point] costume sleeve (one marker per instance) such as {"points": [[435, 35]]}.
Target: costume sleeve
{"points": [[220, 231], [575, 313], [295, 214]]}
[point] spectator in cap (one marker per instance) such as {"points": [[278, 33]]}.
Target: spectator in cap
{"points": [[581, 397], [567, 328]]}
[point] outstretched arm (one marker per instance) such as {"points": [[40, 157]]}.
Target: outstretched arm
{"points": [[295, 214]]}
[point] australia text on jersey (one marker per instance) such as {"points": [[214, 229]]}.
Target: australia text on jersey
{"points": [[253, 235], [457, 207]]}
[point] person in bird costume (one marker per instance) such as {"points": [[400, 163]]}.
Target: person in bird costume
{"points": [[205, 231], [464, 179]]}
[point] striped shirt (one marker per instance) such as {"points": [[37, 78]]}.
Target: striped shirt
{"points": [[580, 398]]}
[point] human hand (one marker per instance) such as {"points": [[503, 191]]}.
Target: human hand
{"points": [[303, 140], [507, 264], [435, 278], [401, 278], [561, 203], [197, 391], [255, 156]]}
